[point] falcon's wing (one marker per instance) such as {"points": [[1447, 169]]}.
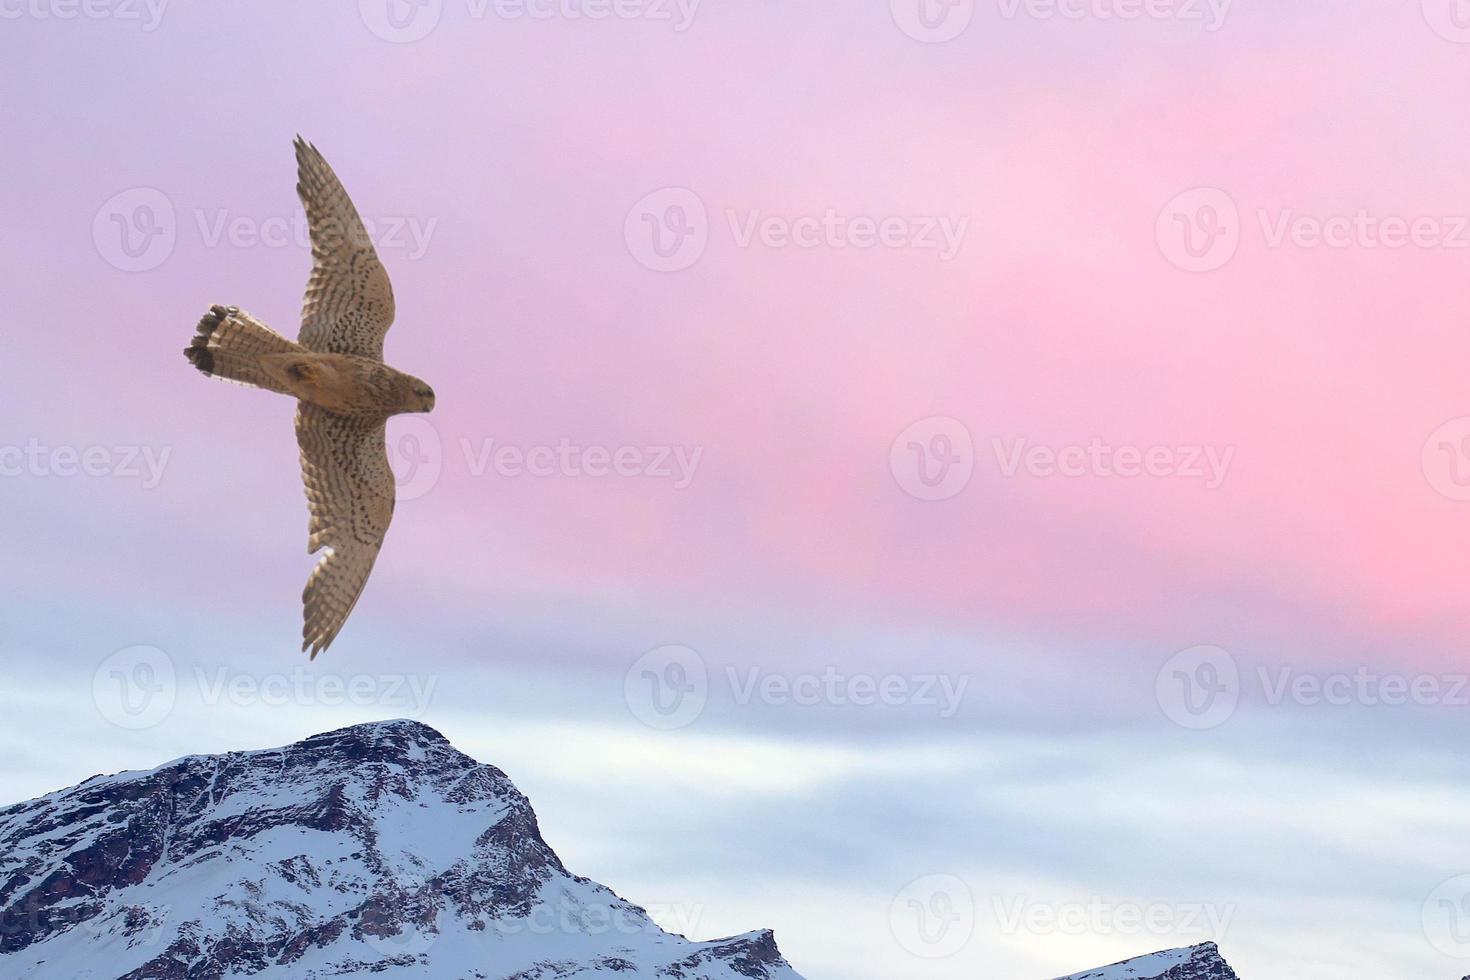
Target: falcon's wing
{"points": [[350, 489], [349, 301]]}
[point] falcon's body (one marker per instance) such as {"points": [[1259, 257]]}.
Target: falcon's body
{"points": [[345, 392], [346, 384]]}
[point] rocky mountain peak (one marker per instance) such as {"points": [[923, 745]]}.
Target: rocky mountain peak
{"points": [[373, 849], [402, 735]]}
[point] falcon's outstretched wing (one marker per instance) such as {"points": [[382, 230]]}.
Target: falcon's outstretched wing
{"points": [[349, 301], [350, 489]]}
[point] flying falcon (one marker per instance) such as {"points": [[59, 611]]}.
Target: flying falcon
{"points": [[344, 391]]}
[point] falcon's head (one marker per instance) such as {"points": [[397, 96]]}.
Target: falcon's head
{"points": [[419, 396]]}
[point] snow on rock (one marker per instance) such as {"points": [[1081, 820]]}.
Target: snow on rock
{"points": [[1202, 962], [377, 850]]}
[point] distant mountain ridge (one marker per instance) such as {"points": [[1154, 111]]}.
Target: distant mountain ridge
{"points": [[1202, 962], [377, 850]]}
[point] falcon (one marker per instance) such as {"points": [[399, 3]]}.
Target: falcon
{"points": [[344, 392]]}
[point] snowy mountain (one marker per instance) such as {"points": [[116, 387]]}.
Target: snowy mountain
{"points": [[1202, 962], [377, 850]]}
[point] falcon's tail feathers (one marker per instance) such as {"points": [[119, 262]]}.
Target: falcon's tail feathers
{"points": [[228, 344]]}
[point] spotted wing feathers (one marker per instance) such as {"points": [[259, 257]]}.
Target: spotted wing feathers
{"points": [[349, 301], [350, 491]]}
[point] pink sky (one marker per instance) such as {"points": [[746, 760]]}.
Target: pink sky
{"points": [[793, 370]]}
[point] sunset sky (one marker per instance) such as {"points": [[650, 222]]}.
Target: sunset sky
{"points": [[1040, 443]]}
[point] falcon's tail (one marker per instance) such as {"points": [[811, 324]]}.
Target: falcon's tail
{"points": [[229, 344]]}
